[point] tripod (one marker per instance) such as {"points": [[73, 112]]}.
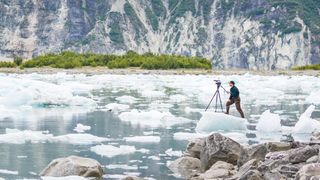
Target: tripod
{"points": [[217, 96]]}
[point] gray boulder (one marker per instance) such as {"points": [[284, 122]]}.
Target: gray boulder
{"points": [[73, 166], [288, 170], [309, 171], [278, 146], [187, 167], [257, 152], [194, 147], [219, 170], [250, 165], [219, 148], [131, 178], [302, 154], [313, 159], [252, 175]]}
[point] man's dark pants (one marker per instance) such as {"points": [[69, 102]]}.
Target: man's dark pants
{"points": [[238, 106]]}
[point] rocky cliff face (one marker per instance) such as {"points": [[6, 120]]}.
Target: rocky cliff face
{"points": [[254, 34]]}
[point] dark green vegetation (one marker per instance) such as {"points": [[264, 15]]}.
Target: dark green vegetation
{"points": [[308, 67], [4, 64], [70, 60]]}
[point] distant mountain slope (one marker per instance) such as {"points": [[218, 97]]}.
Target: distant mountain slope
{"points": [[254, 34]]}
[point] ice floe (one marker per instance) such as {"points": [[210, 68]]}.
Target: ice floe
{"points": [[306, 124], [127, 99], [269, 122], [171, 152], [112, 151], [212, 122], [115, 107], [121, 166], [143, 139], [15, 136], [63, 178], [5, 171], [152, 118], [80, 128]]}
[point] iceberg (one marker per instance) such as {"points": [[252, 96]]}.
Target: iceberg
{"points": [[127, 99], [112, 151], [152, 118], [212, 122], [313, 98], [15, 136], [306, 124], [143, 139], [269, 122], [80, 128]]}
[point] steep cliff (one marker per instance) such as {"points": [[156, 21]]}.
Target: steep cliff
{"points": [[254, 34]]}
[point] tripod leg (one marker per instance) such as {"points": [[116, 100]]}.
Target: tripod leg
{"points": [[211, 101], [217, 101], [220, 102]]}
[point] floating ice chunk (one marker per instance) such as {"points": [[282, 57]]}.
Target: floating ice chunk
{"points": [[314, 98], [152, 118], [163, 107], [189, 110], [155, 158], [211, 122], [269, 122], [143, 139], [177, 98], [112, 151], [117, 107], [64, 178], [171, 152], [121, 166], [152, 94], [306, 124], [183, 136], [15, 136], [24, 92], [127, 99], [80, 128], [236, 136], [5, 171], [78, 139]]}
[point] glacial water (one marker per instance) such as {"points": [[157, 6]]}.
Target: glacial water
{"points": [[137, 123]]}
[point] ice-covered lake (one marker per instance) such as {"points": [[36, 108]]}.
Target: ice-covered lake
{"points": [[136, 124]]}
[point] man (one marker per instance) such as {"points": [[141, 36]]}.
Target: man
{"points": [[234, 98]]}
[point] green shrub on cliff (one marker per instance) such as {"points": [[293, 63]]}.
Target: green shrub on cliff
{"points": [[5, 64], [307, 67]]}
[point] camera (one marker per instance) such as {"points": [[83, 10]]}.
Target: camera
{"points": [[218, 82]]}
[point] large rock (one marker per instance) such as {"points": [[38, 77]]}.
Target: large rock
{"points": [[187, 167], [252, 175], [194, 147], [131, 178], [257, 152], [309, 171], [278, 146], [219, 148], [219, 170], [302, 154], [288, 170], [73, 166], [250, 165]]}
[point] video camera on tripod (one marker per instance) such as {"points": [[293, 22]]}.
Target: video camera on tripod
{"points": [[217, 96]]}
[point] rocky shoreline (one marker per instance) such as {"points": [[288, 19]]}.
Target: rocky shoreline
{"points": [[219, 157], [105, 70]]}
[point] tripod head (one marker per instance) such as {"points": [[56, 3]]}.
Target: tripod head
{"points": [[218, 83]]}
